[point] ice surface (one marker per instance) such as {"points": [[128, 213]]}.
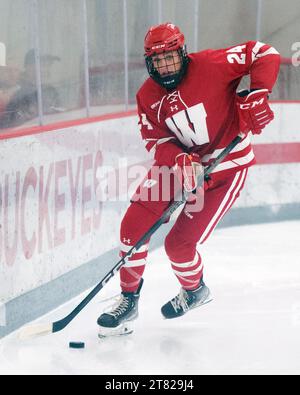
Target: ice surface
{"points": [[251, 327]]}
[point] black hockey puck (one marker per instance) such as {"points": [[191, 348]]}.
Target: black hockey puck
{"points": [[76, 345]]}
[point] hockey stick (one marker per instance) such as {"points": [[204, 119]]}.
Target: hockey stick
{"points": [[43, 329]]}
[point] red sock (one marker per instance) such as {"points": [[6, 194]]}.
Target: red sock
{"points": [[132, 271], [189, 273]]}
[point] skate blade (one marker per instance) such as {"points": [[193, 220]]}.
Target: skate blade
{"points": [[121, 330], [208, 300]]}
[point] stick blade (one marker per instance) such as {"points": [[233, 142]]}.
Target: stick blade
{"points": [[32, 331]]}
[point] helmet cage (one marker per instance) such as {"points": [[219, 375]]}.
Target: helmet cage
{"points": [[169, 81]]}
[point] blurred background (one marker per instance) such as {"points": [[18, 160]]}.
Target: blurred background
{"points": [[63, 60]]}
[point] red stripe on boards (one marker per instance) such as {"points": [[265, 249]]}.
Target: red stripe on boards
{"points": [[14, 133], [267, 154]]}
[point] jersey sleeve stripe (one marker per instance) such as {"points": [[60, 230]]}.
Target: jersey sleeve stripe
{"points": [[270, 51], [256, 51], [152, 143]]}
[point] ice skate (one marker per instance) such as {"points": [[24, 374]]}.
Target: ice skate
{"points": [[119, 321], [186, 300]]}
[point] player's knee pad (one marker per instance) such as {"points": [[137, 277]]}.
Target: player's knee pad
{"points": [[136, 222], [178, 248]]}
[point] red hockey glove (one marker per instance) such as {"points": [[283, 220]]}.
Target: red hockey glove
{"points": [[207, 184], [188, 168], [254, 110]]}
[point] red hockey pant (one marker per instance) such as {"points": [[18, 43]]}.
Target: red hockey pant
{"points": [[182, 240]]}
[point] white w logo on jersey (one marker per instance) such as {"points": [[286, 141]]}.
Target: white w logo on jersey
{"points": [[190, 125]]}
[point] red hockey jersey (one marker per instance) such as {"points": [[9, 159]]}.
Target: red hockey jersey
{"points": [[200, 114]]}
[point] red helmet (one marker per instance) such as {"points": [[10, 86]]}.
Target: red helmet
{"points": [[161, 38]]}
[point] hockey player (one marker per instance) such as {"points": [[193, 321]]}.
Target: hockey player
{"points": [[189, 111]]}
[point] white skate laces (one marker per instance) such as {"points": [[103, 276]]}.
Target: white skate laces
{"points": [[180, 301], [119, 307]]}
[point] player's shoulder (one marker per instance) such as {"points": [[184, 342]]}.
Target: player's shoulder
{"points": [[198, 57], [203, 59], [199, 54], [212, 55], [150, 92]]}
